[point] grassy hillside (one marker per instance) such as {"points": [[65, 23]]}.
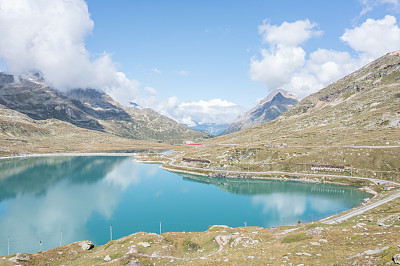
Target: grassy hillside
{"points": [[20, 134], [354, 122], [91, 109]]}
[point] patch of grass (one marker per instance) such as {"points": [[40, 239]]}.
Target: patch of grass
{"points": [[296, 237], [387, 255], [357, 236], [190, 245], [109, 243]]}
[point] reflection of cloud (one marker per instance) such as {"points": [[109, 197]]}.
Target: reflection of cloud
{"points": [[323, 204], [125, 174], [285, 204], [151, 171], [68, 206]]}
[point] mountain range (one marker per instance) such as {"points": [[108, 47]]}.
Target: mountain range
{"points": [[210, 128], [354, 121], [90, 109], [268, 109]]}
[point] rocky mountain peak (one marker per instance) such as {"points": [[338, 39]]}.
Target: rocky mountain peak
{"points": [[268, 109]]}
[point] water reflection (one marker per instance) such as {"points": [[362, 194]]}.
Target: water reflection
{"points": [[289, 199], [82, 196], [47, 195]]}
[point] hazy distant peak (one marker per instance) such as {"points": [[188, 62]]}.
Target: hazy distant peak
{"points": [[268, 109], [274, 93]]}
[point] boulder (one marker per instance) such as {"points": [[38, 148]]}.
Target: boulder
{"points": [[22, 257], [374, 251], [86, 245], [132, 250], [144, 244], [315, 231], [396, 258]]}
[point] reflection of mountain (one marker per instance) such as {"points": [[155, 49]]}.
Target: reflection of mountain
{"points": [[345, 194], [36, 175]]}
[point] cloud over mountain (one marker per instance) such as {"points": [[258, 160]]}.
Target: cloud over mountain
{"points": [[49, 37], [284, 64]]}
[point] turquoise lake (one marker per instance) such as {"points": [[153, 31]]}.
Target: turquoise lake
{"points": [[79, 198]]}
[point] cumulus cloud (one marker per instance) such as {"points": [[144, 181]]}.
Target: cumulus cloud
{"points": [[374, 37], [276, 67], [192, 113], [284, 56], [49, 37], [288, 34], [285, 64]]}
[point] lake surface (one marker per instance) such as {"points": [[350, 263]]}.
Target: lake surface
{"points": [[79, 198]]}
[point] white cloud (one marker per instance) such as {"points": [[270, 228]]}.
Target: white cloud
{"points": [[283, 57], [288, 34], [374, 37], [156, 70], [213, 111], [183, 72], [191, 113], [369, 5], [151, 90], [49, 36], [276, 67], [285, 64]]}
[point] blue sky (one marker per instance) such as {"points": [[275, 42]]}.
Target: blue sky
{"points": [[212, 40], [195, 61]]}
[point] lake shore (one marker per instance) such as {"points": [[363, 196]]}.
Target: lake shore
{"points": [[285, 241]]}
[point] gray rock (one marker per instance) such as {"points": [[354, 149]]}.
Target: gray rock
{"points": [[22, 257], [107, 258], [134, 263], [144, 244], [396, 258], [315, 231], [86, 245], [132, 250], [375, 251]]}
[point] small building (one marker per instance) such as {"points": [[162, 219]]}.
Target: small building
{"points": [[389, 187]]}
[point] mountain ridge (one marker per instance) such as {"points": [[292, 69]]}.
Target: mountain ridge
{"points": [[353, 122], [269, 108], [91, 109]]}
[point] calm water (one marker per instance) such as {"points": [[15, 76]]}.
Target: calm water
{"points": [[83, 196]]}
